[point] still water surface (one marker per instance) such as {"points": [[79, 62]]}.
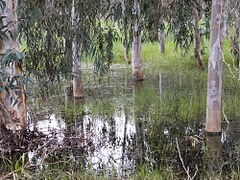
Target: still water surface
{"points": [[122, 126]]}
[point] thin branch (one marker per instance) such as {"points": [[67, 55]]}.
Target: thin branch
{"points": [[229, 68], [183, 165], [224, 115]]}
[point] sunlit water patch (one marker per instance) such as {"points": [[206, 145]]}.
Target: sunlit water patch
{"points": [[113, 139], [118, 134], [52, 125], [139, 126]]}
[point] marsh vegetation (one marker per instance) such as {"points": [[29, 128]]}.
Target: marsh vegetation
{"points": [[76, 103]]}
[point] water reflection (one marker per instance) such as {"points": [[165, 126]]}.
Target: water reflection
{"points": [[51, 123], [214, 153], [117, 134], [113, 139], [140, 127]]}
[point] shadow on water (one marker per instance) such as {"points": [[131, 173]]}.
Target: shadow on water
{"points": [[136, 126]]}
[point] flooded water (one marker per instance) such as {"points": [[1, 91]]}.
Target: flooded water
{"points": [[121, 127]]}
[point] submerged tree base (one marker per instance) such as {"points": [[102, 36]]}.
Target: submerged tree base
{"points": [[138, 75]]}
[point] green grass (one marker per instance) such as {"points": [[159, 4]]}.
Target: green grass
{"points": [[173, 59], [183, 102]]}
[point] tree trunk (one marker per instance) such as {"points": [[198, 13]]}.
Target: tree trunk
{"points": [[77, 75], [126, 37], [136, 49], [13, 104], [197, 39], [126, 55], [214, 89], [77, 78], [238, 48], [160, 77], [161, 36]]}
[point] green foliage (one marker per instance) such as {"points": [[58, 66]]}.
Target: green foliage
{"points": [[8, 61], [103, 49], [182, 21], [50, 29], [11, 56]]}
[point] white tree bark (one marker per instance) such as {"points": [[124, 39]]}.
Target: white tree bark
{"points": [[160, 77], [161, 37], [214, 89], [77, 75], [76, 56], [136, 46], [15, 114]]}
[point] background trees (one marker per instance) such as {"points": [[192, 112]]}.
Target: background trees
{"points": [[59, 33], [55, 35], [233, 18]]}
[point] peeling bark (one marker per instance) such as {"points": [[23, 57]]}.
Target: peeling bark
{"points": [[136, 49], [214, 89], [14, 116]]}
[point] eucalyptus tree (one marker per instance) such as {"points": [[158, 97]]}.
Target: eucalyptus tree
{"points": [[76, 57], [126, 28], [185, 25], [197, 13], [214, 88], [58, 33], [136, 45], [135, 17], [161, 13], [138, 16], [42, 27], [13, 108], [51, 33], [161, 36], [130, 23], [157, 14]]}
